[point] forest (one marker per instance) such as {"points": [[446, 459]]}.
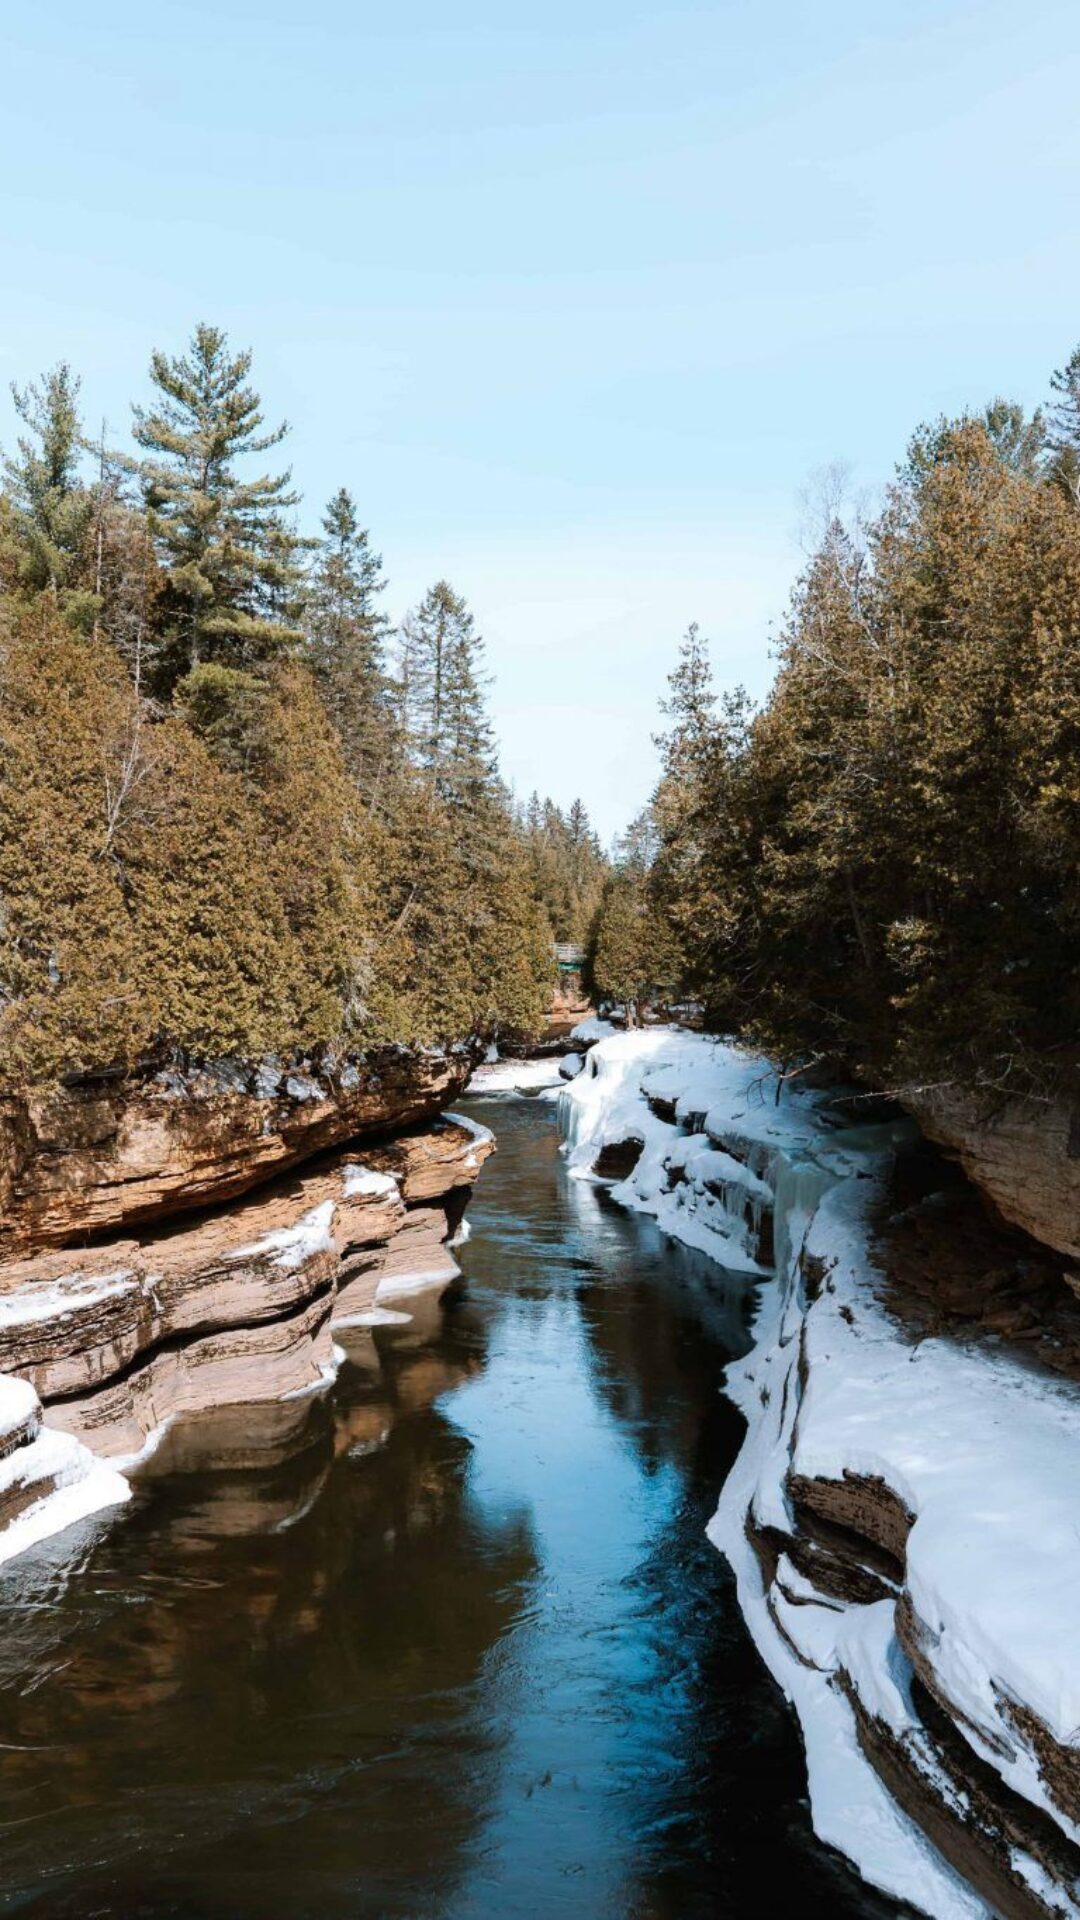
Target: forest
{"points": [[240, 814], [880, 868]]}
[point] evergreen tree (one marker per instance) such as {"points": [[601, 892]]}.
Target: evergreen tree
{"points": [[633, 953], [1063, 432], [347, 635], [51, 507], [230, 558], [568, 868], [1020, 442], [443, 686]]}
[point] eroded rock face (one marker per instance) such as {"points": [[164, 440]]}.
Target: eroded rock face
{"points": [[237, 1306], [81, 1162], [1023, 1155]]}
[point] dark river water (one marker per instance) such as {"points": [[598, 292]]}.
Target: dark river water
{"points": [[451, 1643]]}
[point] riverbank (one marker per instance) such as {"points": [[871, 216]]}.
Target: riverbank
{"points": [[197, 1242], [902, 1518], [447, 1639]]}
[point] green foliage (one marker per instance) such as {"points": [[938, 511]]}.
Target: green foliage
{"points": [[50, 509], [567, 867], [225, 707], [634, 956], [443, 690], [134, 905], [231, 561], [347, 645], [881, 866], [224, 826]]}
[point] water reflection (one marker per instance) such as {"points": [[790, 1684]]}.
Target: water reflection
{"points": [[451, 1644]]}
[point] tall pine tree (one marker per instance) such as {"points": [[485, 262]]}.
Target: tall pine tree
{"points": [[51, 507], [224, 541], [347, 635], [443, 687]]}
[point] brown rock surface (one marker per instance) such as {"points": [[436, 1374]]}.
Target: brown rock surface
{"points": [[568, 1005], [236, 1306], [1023, 1155], [87, 1161]]}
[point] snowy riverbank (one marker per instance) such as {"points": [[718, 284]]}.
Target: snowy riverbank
{"points": [[903, 1520]]}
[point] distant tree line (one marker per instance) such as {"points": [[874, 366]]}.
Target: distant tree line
{"points": [[881, 867], [238, 813]]}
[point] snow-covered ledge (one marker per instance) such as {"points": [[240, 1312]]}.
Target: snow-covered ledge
{"points": [[903, 1519]]}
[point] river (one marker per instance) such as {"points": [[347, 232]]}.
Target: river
{"points": [[450, 1643]]}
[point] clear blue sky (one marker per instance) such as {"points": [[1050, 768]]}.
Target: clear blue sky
{"points": [[573, 299]]}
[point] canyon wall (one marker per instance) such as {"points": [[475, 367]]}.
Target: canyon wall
{"points": [[1023, 1155], [93, 1159], [191, 1242]]}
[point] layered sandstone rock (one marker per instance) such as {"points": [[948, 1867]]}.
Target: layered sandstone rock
{"points": [[93, 1160], [238, 1305], [1023, 1155]]}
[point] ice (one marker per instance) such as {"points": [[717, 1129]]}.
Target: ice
{"points": [[514, 1076], [479, 1132], [52, 1478], [982, 1448], [592, 1029]]}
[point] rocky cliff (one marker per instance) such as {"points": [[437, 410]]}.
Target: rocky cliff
{"points": [[1023, 1155], [223, 1229]]}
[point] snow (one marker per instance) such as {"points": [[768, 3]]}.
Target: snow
{"points": [[514, 1076], [47, 1299], [479, 1132], [292, 1246], [300, 1086], [703, 1077], [73, 1484], [983, 1449], [1040, 1882], [374, 1317], [20, 1408], [592, 1029], [363, 1181], [570, 1066], [482, 1135]]}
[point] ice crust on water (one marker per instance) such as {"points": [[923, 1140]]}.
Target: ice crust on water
{"points": [[982, 1449], [514, 1076]]}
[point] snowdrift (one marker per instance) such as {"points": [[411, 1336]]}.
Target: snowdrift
{"points": [[903, 1519]]}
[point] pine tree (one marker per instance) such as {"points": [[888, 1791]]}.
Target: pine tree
{"points": [[1063, 431], [52, 509], [443, 685], [1020, 442], [633, 953], [225, 542], [347, 636]]}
